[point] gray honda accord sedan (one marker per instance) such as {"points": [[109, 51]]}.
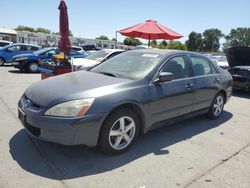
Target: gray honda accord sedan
{"points": [[128, 94]]}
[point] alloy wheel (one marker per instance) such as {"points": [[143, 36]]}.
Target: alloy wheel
{"points": [[1, 62], [218, 105], [33, 67], [122, 133]]}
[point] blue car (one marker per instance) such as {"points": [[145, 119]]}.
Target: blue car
{"points": [[29, 62], [9, 51]]}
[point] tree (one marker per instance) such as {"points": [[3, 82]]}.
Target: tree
{"points": [[238, 37], [194, 42], [102, 37], [42, 30], [164, 43], [211, 38], [25, 28], [58, 33], [153, 43], [132, 41], [177, 45]]}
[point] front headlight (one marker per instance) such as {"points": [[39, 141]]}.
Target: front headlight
{"points": [[74, 108]]}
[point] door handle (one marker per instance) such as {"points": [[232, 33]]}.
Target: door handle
{"points": [[189, 86]]}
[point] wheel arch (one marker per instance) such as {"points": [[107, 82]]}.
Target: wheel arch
{"points": [[132, 106]]}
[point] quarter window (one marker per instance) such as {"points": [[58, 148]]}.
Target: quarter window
{"points": [[201, 66], [178, 66]]}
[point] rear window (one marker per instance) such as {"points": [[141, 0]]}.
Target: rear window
{"points": [[201, 66]]}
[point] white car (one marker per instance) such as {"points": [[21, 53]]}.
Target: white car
{"points": [[221, 60], [94, 59]]}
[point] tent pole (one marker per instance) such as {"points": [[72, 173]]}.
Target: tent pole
{"points": [[149, 41]]}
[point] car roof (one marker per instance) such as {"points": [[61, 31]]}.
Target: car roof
{"points": [[165, 52], [25, 44], [113, 50]]}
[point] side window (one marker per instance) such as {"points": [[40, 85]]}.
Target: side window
{"points": [[113, 54], [178, 66], [201, 66], [23, 48], [50, 53], [32, 48], [15, 48]]}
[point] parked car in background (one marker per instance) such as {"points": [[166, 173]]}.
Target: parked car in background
{"points": [[239, 61], [29, 62], [89, 47], [77, 48], [221, 60], [4, 43], [241, 77], [9, 51], [128, 94], [95, 58]]}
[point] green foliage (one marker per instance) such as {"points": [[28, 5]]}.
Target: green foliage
{"points": [[194, 42], [153, 43], [238, 37], [25, 28], [102, 37], [132, 41], [42, 30], [211, 40], [176, 45], [58, 33]]}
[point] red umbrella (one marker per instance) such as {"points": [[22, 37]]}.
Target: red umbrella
{"points": [[150, 30], [64, 43]]}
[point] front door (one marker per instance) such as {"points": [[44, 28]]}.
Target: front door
{"points": [[173, 98]]}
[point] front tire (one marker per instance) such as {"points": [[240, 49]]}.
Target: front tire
{"points": [[217, 106], [2, 61], [33, 67], [119, 131]]}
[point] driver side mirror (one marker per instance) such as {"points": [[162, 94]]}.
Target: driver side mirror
{"points": [[164, 77]]}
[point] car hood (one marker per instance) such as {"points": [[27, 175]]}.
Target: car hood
{"points": [[84, 62], [71, 86], [238, 56]]}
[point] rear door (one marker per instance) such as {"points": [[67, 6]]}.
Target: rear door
{"points": [[206, 82], [12, 51], [173, 98]]}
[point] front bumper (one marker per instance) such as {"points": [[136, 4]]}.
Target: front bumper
{"points": [[66, 131], [242, 83]]}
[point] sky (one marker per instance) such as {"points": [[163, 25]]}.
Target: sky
{"points": [[92, 18]]}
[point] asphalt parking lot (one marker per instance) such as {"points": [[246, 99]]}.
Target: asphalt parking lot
{"points": [[194, 153]]}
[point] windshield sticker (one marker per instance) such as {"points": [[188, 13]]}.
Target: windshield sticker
{"points": [[150, 55]]}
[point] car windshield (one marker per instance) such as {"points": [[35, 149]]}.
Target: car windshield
{"points": [[101, 54], [42, 51], [129, 65]]}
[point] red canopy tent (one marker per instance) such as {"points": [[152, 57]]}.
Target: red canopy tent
{"points": [[150, 30]]}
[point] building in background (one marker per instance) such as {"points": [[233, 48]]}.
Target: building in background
{"points": [[49, 40], [8, 34]]}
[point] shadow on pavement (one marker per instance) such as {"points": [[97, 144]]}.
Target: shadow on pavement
{"points": [[67, 162], [20, 72], [241, 94]]}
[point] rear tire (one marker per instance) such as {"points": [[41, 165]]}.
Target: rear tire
{"points": [[119, 131], [33, 67], [217, 106], [2, 61]]}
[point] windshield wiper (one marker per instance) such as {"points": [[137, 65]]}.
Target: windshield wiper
{"points": [[109, 74]]}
